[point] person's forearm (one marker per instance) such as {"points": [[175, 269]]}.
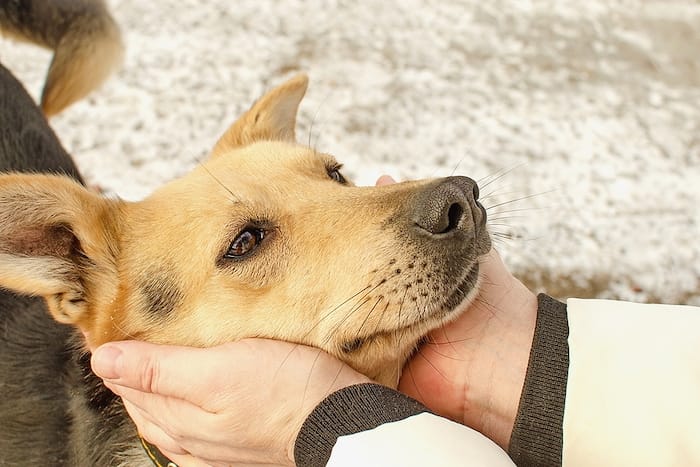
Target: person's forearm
{"points": [[350, 410], [369, 424], [536, 438]]}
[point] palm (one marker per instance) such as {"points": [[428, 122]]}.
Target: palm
{"points": [[439, 374], [472, 370]]}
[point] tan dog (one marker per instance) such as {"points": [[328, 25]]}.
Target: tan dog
{"points": [[264, 239]]}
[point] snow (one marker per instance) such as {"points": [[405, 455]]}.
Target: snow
{"points": [[584, 116]]}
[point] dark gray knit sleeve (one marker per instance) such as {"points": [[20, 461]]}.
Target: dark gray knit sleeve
{"points": [[538, 430], [350, 410]]}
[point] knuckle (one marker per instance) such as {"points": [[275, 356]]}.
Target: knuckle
{"points": [[150, 375]]}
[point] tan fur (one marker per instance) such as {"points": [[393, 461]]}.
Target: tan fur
{"points": [[337, 262]]}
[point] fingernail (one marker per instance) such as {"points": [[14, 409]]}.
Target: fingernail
{"points": [[105, 361]]}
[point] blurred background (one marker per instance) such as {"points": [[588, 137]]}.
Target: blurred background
{"points": [[581, 120]]}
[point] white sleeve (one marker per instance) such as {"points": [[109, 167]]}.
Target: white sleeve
{"points": [[420, 440], [633, 392]]}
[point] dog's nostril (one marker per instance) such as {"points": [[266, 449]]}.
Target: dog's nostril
{"points": [[454, 214], [446, 206], [475, 191]]}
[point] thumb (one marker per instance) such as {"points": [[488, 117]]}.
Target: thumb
{"points": [[157, 369]]}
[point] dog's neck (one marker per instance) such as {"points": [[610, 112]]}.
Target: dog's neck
{"points": [[102, 428]]}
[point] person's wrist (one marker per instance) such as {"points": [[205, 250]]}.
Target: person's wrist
{"points": [[491, 403], [344, 377]]}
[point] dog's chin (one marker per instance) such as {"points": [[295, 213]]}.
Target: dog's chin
{"points": [[461, 297], [444, 311]]}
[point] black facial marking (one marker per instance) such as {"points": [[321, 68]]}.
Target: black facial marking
{"points": [[161, 294], [352, 345]]}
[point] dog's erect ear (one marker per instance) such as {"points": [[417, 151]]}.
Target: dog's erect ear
{"points": [[57, 240], [272, 117]]}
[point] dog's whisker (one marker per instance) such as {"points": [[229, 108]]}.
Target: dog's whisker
{"points": [[337, 327], [308, 378], [498, 192], [318, 322], [284, 360], [361, 300], [459, 162], [333, 310], [509, 211], [503, 235], [354, 310], [234, 198], [332, 383], [522, 198], [491, 308], [369, 313], [120, 329], [505, 218], [399, 336], [437, 370], [498, 175], [313, 121], [421, 398], [447, 339]]}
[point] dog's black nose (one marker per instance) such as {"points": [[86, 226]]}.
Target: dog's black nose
{"points": [[449, 206]]}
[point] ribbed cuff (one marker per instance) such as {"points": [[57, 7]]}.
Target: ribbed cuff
{"points": [[350, 410], [538, 430]]}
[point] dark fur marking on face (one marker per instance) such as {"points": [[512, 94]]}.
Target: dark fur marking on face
{"points": [[161, 294], [353, 345]]}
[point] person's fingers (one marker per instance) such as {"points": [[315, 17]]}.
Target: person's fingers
{"points": [[175, 416], [151, 432], [173, 442], [385, 180], [158, 369]]}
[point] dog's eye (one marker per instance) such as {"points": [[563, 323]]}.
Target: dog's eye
{"points": [[335, 175], [246, 241]]}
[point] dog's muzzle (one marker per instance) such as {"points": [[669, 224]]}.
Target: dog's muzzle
{"points": [[449, 208]]}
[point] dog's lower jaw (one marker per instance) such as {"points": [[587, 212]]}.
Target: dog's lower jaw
{"points": [[407, 341]]}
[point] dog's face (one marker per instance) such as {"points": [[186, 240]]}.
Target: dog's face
{"points": [[265, 239]]}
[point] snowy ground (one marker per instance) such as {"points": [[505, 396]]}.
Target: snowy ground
{"points": [[591, 110]]}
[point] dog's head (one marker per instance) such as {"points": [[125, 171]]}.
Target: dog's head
{"points": [[265, 239]]}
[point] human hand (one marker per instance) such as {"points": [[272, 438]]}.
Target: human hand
{"points": [[472, 370], [242, 403]]}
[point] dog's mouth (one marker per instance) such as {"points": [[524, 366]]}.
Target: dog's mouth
{"points": [[456, 302]]}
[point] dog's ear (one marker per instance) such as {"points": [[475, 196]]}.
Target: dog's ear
{"points": [[272, 117], [57, 240]]}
